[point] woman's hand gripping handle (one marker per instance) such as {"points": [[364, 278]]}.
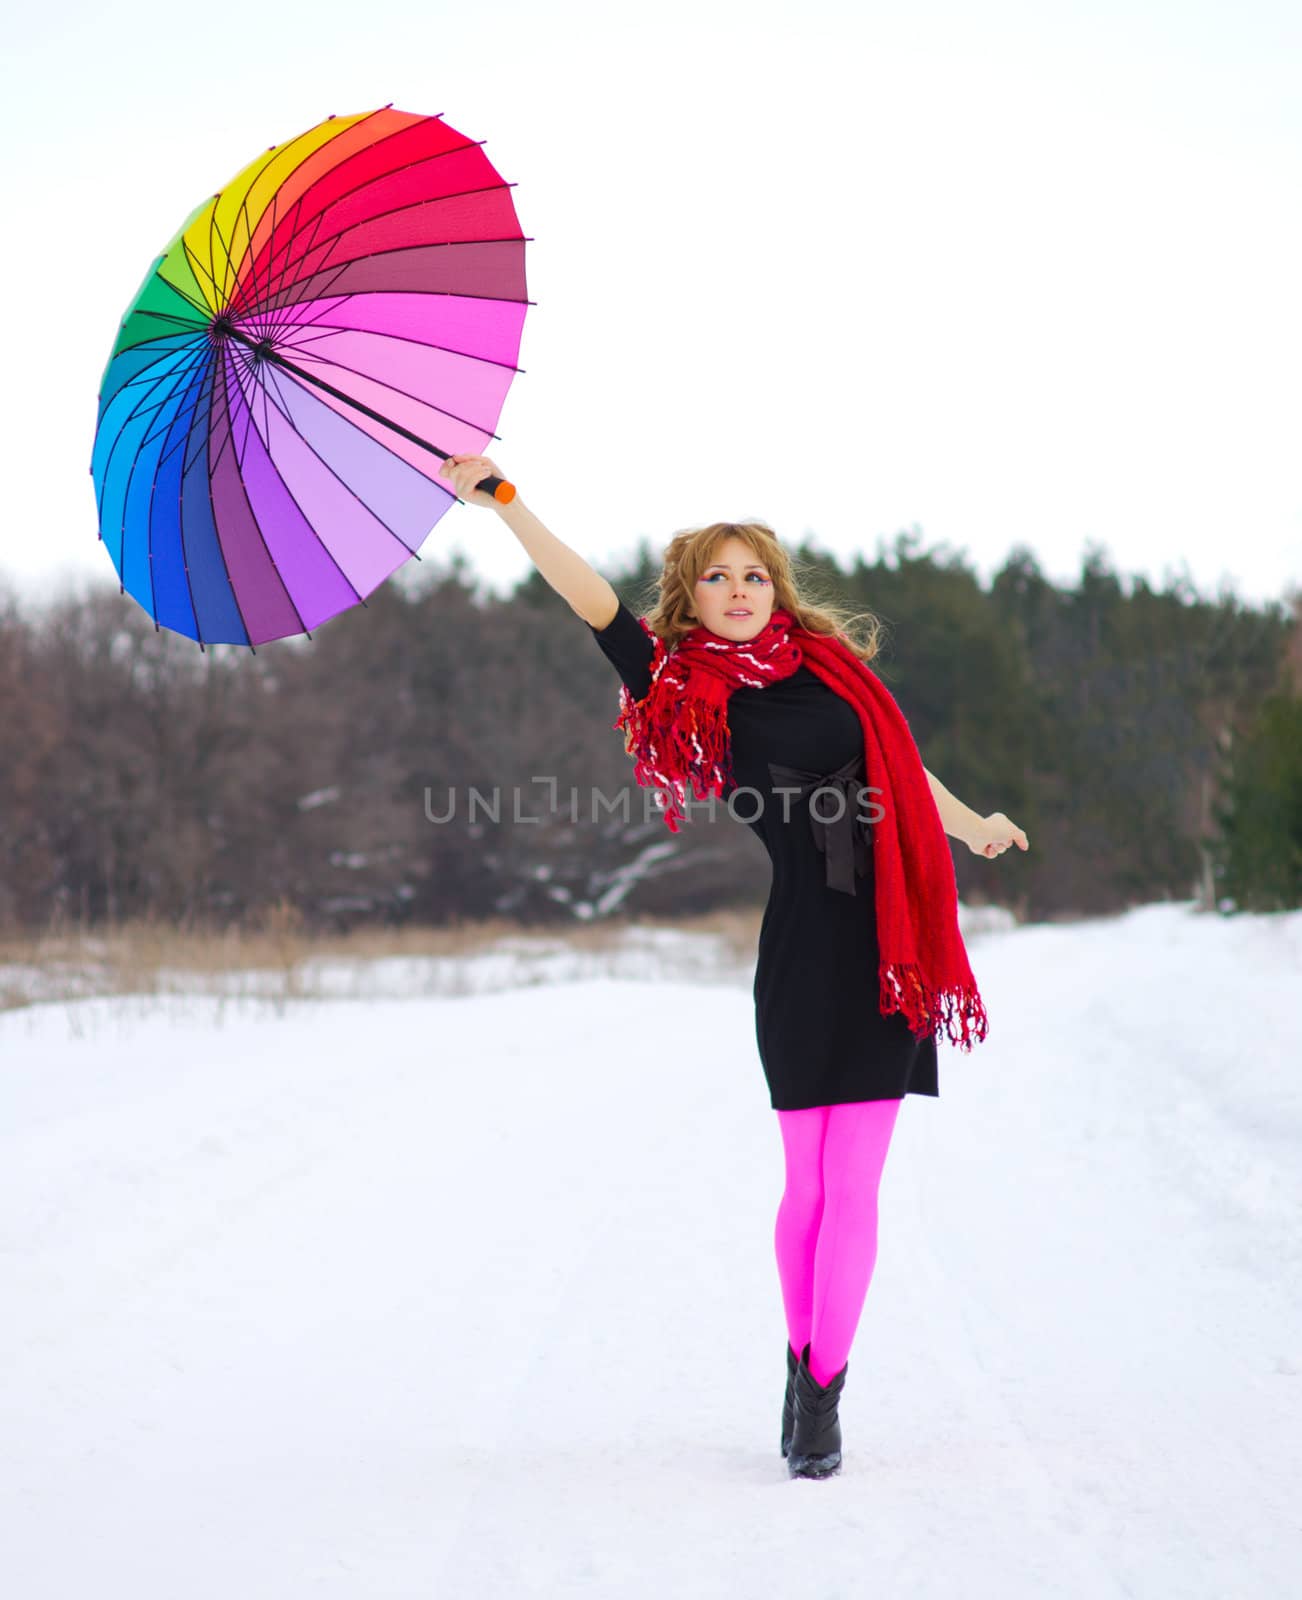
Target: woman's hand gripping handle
{"points": [[477, 481]]}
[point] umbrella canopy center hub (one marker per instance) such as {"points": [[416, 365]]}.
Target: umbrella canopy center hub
{"points": [[262, 349]]}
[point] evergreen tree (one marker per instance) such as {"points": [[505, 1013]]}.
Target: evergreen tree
{"points": [[1258, 849]]}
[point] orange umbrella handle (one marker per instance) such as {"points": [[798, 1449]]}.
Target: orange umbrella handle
{"points": [[500, 490]]}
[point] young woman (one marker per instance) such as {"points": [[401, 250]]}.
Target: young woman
{"points": [[736, 686]]}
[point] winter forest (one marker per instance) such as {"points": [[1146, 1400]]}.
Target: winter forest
{"points": [[1149, 740]]}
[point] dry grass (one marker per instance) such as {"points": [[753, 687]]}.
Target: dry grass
{"points": [[154, 957]]}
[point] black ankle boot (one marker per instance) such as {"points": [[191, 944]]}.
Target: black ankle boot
{"points": [[816, 1438], [789, 1401]]}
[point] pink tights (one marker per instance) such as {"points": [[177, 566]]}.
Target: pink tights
{"points": [[826, 1232]]}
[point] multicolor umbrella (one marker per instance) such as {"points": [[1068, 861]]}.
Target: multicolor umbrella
{"points": [[263, 455]]}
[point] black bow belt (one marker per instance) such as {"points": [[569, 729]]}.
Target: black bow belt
{"points": [[845, 841]]}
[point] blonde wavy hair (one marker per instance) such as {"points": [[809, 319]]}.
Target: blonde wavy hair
{"points": [[691, 551]]}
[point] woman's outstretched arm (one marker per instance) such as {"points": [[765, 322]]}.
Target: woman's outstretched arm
{"points": [[959, 821], [984, 836], [584, 590]]}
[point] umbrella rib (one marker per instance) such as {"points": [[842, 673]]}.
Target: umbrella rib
{"points": [[236, 292], [332, 240], [228, 438], [141, 376], [211, 269], [200, 272], [186, 467], [149, 436], [284, 411], [307, 520], [269, 321], [272, 271], [228, 272], [470, 144], [239, 303], [204, 372], [235, 372], [209, 466], [377, 416], [331, 302], [137, 409], [210, 381], [230, 276], [327, 332], [244, 368], [250, 429], [266, 417], [195, 372], [375, 255], [329, 552], [201, 370], [242, 212], [190, 328], [238, 361], [283, 321], [282, 250], [202, 312], [277, 322], [227, 360], [220, 291], [230, 429], [373, 145], [165, 455]]}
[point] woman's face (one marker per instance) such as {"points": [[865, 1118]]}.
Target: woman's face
{"points": [[734, 595]]}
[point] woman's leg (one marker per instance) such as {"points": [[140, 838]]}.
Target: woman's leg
{"points": [[854, 1152], [801, 1210]]}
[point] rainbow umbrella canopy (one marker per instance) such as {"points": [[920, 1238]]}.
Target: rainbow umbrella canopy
{"points": [[315, 339]]}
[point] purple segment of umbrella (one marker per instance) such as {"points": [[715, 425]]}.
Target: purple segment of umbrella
{"points": [[312, 577], [402, 498], [453, 429], [259, 591], [335, 498]]}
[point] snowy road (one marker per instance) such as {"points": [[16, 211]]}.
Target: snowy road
{"points": [[287, 1315]]}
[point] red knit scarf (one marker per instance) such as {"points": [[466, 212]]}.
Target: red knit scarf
{"points": [[678, 734]]}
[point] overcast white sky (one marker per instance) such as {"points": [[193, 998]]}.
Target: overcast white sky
{"points": [[1010, 272]]}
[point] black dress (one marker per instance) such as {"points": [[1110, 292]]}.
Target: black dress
{"points": [[822, 1039]]}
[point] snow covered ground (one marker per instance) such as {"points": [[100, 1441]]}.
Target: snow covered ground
{"points": [[475, 1295]]}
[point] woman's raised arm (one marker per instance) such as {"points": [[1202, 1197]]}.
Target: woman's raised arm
{"points": [[584, 591]]}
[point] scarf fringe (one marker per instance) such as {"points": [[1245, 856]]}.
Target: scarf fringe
{"points": [[957, 1012], [695, 744]]}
